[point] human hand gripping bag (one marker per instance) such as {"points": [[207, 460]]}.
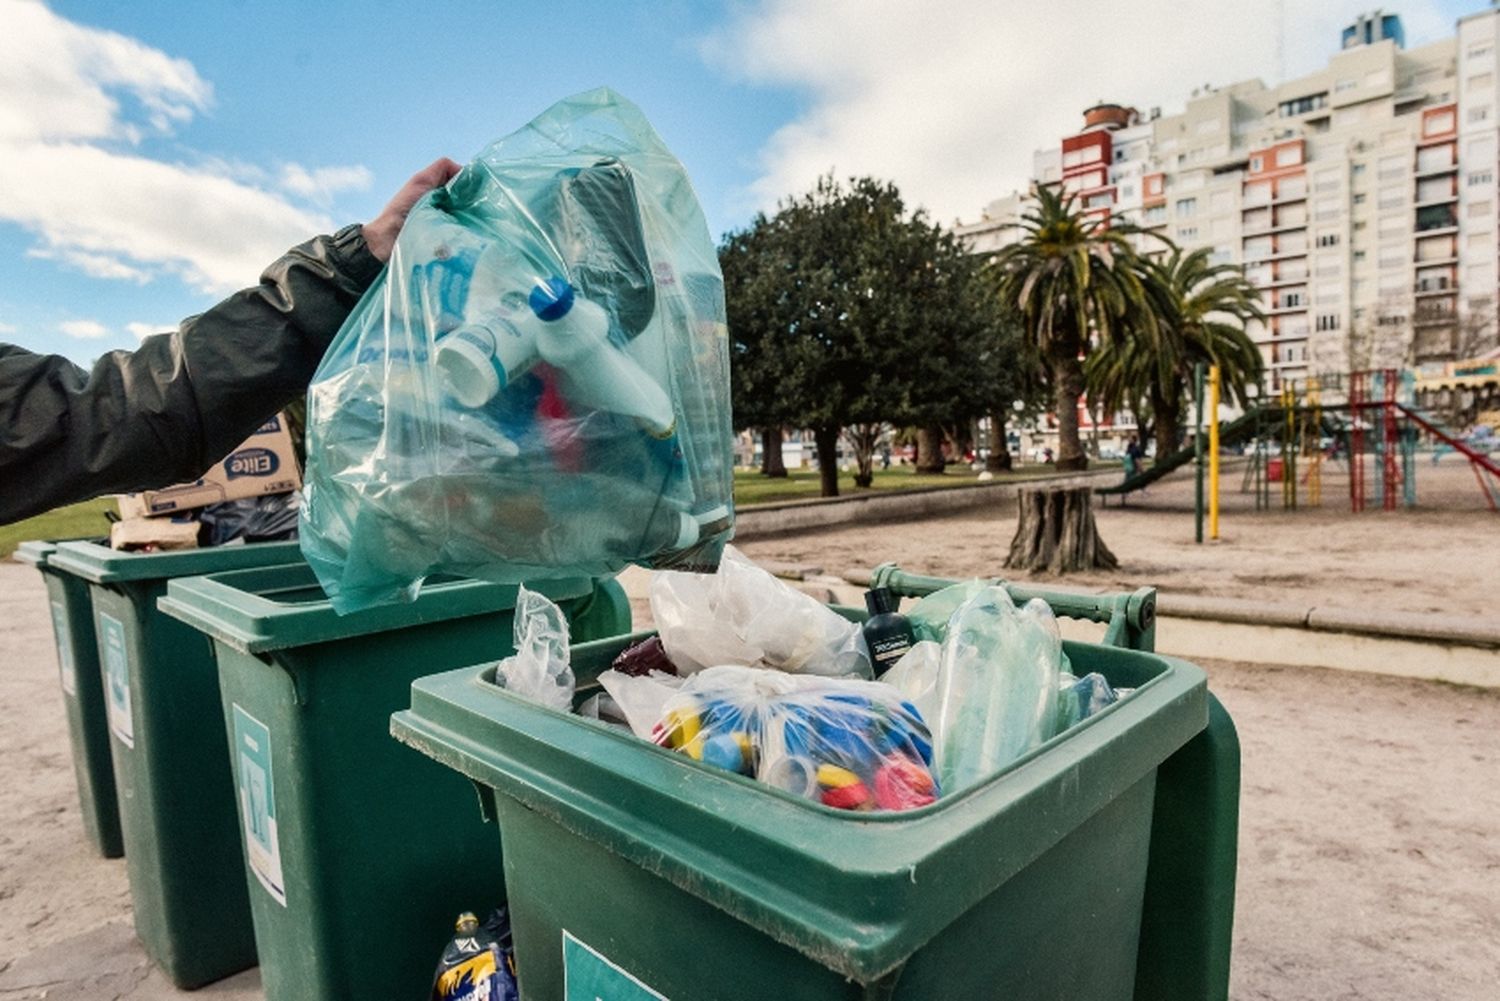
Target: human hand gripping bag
{"points": [[537, 386]]}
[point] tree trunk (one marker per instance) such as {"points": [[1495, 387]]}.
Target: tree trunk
{"points": [[771, 461], [1056, 534], [1067, 380], [1168, 428], [999, 460], [930, 449], [827, 439]]}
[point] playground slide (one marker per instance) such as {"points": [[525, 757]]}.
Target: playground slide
{"points": [[1239, 430], [1451, 440]]}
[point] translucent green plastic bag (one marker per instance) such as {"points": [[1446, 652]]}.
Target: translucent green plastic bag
{"points": [[538, 384]]}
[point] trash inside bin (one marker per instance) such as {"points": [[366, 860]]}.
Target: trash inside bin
{"points": [[359, 853], [83, 698], [171, 762], [1032, 883]]}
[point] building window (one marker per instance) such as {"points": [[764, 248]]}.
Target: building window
{"points": [[1356, 170], [1328, 239], [1185, 233], [1302, 105], [1481, 81], [1257, 164], [1480, 210], [1479, 177], [1186, 206], [1344, 85], [1156, 213], [1128, 191], [1288, 156], [1479, 51], [1359, 255], [1293, 299], [1328, 321], [1479, 113], [1359, 198], [1436, 125]]}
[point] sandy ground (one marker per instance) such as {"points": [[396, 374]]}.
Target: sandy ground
{"points": [[1443, 556], [1370, 827]]}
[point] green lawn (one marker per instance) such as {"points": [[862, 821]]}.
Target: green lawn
{"points": [[802, 484], [87, 519], [76, 521]]}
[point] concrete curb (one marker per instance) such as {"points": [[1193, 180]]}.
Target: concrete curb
{"points": [[1419, 627], [781, 517]]}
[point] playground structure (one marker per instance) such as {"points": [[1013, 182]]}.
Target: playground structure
{"points": [[1368, 419]]}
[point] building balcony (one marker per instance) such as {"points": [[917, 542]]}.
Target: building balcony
{"points": [[1435, 286], [1433, 171], [1436, 229], [1282, 310], [1444, 200], [1279, 281], [1432, 262], [1269, 229], [1433, 318]]}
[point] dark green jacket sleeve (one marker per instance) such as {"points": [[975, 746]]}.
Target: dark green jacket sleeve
{"points": [[169, 410]]}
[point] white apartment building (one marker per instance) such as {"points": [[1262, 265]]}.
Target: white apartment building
{"points": [[1361, 199]]}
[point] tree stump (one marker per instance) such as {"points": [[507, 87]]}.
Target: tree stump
{"points": [[1055, 532]]}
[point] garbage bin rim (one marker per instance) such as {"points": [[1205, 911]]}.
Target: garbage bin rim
{"points": [[35, 552], [228, 607], [99, 564]]}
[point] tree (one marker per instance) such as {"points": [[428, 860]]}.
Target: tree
{"points": [[1069, 277], [845, 311], [1198, 314], [759, 394]]}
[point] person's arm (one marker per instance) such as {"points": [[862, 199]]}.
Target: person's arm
{"points": [[169, 410]]}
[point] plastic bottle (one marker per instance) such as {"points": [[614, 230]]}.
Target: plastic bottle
{"points": [[570, 333], [888, 633]]}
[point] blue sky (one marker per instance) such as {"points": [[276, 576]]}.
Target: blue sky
{"points": [[153, 156]]}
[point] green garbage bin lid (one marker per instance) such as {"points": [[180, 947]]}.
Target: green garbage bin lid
{"points": [[278, 607], [102, 565], [36, 552]]}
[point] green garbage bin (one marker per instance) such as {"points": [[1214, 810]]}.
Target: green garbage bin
{"points": [[633, 872], [359, 853], [171, 761], [83, 698]]}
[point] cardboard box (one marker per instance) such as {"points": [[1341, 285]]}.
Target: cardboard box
{"points": [[155, 534], [265, 464]]}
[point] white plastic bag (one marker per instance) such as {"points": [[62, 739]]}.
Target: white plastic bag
{"points": [[641, 699], [742, 615], [540, 669]]}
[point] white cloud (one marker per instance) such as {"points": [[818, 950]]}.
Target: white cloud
{"points": [[949, 99], [141, 331], [74, 102], [87, 330], [9, 328], [320, 184]]}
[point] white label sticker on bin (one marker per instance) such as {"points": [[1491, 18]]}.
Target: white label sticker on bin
{"points": [[252, 754], [67, 669], [116, 679], [589, 976]]}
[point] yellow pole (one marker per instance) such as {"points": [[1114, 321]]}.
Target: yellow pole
{"points": [[1315, 470], [1213, 452]]}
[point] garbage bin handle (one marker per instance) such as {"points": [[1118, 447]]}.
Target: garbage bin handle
{"points": [[1130, 617]]}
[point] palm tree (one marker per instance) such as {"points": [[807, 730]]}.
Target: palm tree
{"points": [[1199, 311], [1071, 280]]}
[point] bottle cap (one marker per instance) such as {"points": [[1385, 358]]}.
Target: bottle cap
{"points": [[880, 601], [469, 370], [551, 298]]}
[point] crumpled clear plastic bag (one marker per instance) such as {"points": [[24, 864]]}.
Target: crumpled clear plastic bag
{"points": [[997, 686], [743, 615], [537, 386], [915, 676], [844, 742], [541, 669], [1080, 698]]}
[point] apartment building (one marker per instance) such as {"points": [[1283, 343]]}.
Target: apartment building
{"points": [[1361, 199]]}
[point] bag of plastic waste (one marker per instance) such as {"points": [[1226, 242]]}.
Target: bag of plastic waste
{"points": [[272, 518], [997, 686], [742, 615], [537, 386], [1080, 698], [541, 668], [843, 742]]}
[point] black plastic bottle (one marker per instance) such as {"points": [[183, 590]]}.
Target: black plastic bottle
{"points": [[888, 633]]}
